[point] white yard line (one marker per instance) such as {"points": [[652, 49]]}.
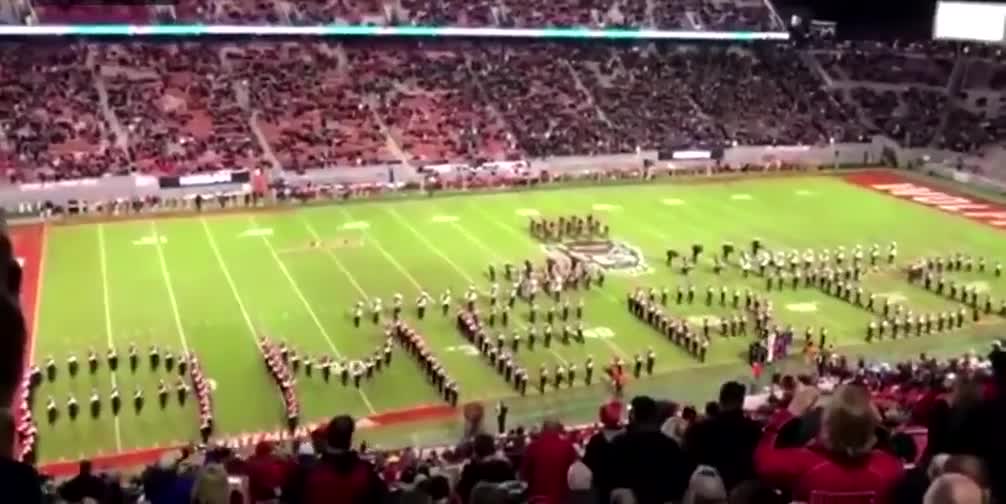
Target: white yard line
{"points": [[230, 280], [557, 356], [38, 297], [310, 310], [335, 258], [103, 255], [436, 250], [615, 348], [387, 255], [478, 243], [171, 290]]}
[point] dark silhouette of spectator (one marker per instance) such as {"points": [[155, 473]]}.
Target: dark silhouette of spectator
{"points": [[486, 465], [993, 415], [649, 463], [599, 454], [266, 472], [842, 460], [546, 463], [340, 475], [954, 423], [19, 482], [84, 485], [726, 441], [13, 336]]}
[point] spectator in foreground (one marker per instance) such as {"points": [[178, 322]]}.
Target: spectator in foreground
{"points": [[581, 484], [85, 485], [599, 454], [485, 466], [211, 486], [648, 462], [340, 475], [842, 460], [727, 440], [705, 487], [20, 482], [266, 472], [954, 489], [13, 337], [546, 464]]}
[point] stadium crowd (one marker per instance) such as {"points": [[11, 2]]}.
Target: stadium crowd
{"points": [[681, 15], [85, 110], [90, 109]]}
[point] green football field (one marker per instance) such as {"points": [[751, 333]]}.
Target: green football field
{"points": [[211, 284]]}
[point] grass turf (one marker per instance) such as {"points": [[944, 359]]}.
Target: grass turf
{"points": [[205, 283]]}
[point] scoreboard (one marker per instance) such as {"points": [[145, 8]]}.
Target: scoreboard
{"points": [[970, 21]]}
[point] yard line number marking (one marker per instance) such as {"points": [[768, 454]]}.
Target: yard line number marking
{"points": [[103, 256], [310, 310]]}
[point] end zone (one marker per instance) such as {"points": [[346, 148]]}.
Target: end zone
{"points": [[973, 208]]}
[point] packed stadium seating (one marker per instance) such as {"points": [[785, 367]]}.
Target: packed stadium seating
{"points": [[171, 107], [726, 15], [184, 107]]}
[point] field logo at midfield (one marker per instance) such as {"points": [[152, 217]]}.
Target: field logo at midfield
{"points": [[151, 240], [741, 197], [805, 192], [257, 232], [672, 201], [802, 307], [445, 218], [528, 212], [614, 256], [355, 225]]}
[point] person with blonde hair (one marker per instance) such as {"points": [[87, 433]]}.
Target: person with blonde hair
{"points": [[841, 461], [211, 486], [954, 489], [705, 487]]}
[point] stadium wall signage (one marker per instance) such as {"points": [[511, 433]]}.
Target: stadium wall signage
{"points": [[205, 179], [188, 30], [975, 209]]}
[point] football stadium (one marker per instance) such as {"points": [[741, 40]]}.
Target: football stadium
{"points": [[372, 251]]}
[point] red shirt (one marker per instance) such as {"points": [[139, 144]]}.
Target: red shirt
{"points": [[266, 473], [812, 475], [546, 462]]}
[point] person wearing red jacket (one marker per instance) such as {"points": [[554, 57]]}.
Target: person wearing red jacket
{"points": [[266, 471], [546, 463], [841, 465]]}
